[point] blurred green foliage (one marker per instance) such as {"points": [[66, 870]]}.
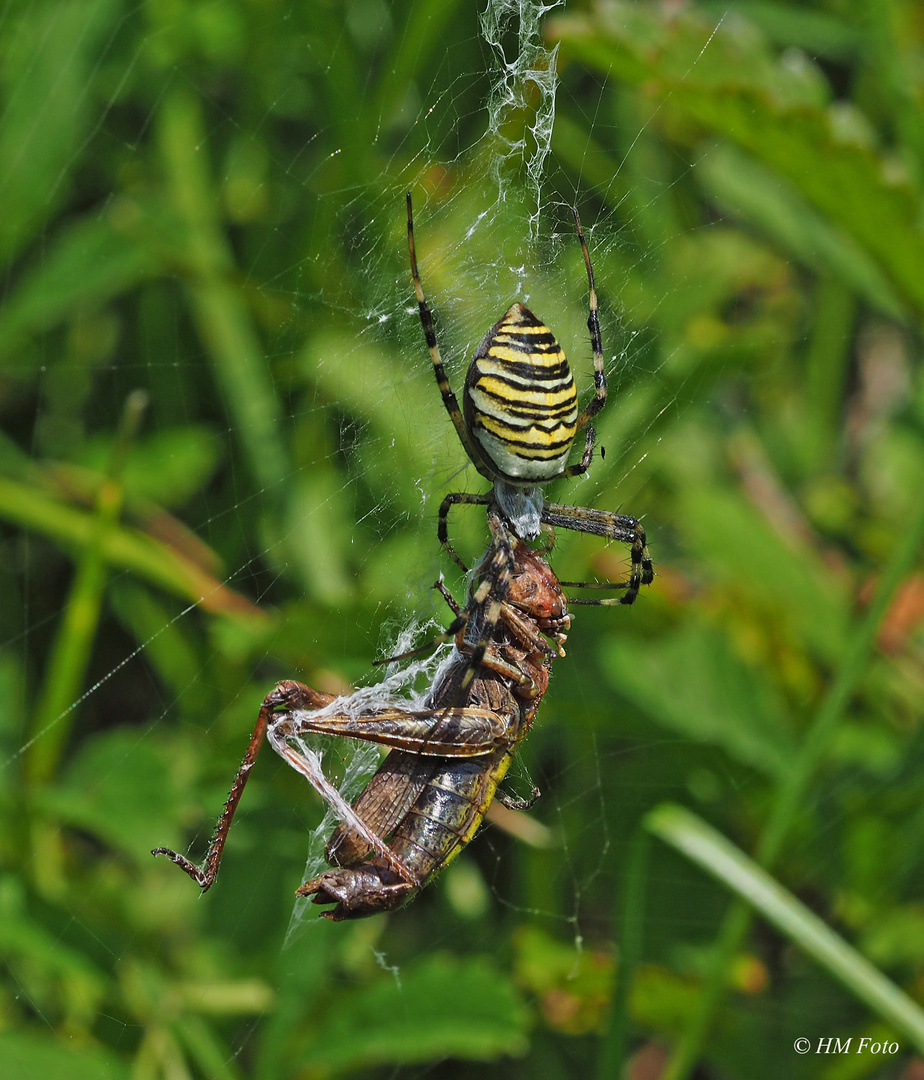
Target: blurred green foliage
{"points": [[217, 469]]}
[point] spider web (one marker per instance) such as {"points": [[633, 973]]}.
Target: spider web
{"points": [[520, 245], [504, 234], [493, 226]]}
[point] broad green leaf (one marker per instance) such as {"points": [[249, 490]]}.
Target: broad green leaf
{"points": [[225, 323], [113, 787], [170, 646], [694, 684], [167, 467], [88, 264], [573, 985], [48, 106], [23, 939], [38, 1056], [745, 552], [897, 935], [796, 25], [440, 1007], [128, 548], [318, 534], [757, 194], [12, 677], [722, 77]]}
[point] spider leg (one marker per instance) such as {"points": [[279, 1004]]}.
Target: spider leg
{"points": [[597, 402], [426, 321], [548, 545], [487, 600], [605, 601], [488, 607], [613, 526], [583, 465], [448, 597], [456, 498], [522, 629]]}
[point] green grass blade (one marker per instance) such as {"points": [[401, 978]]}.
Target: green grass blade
{"points": [[631, 922], [74, 640], [713, 852], [851, 669], [25, 504], [224, 322]]}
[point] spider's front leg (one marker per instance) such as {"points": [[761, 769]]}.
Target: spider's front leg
{"points": [[622, 527], [442, 380]]}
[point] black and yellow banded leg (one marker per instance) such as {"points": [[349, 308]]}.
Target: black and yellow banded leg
{"points": [[621, 527]]}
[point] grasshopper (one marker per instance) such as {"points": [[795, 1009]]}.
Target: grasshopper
{"points": [[445, 760]]}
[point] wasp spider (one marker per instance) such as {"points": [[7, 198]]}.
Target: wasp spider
{"points": [[519, 420]]}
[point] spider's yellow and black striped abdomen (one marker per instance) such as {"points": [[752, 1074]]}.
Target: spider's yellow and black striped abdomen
{"points": [[520, 402]]}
